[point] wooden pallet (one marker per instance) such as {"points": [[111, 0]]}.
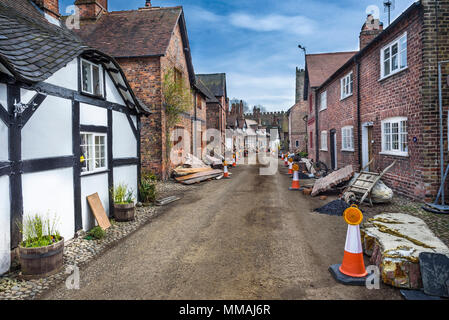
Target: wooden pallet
{"points": [[363, 185]]}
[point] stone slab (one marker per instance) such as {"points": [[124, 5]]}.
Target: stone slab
{"points": [[332, 180], [394, 242], [435, 273], [344, 279]]}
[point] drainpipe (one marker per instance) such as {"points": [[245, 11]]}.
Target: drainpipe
{"points": [[194, 146], [359, 120], [317, 149]]}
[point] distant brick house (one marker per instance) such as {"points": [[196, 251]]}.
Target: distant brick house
{"points": [[217, 106], [272, 120], [146, 43], [382, 103], [297, 117]]}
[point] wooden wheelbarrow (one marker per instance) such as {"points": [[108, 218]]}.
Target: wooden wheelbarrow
{"points": [[360, 189]]}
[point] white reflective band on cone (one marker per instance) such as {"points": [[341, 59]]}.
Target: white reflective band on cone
{"points": [[225, 169], [353, 241], [295, 176]]}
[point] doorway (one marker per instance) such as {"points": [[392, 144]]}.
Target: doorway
{"points": [[367, 145], [333, 147]]}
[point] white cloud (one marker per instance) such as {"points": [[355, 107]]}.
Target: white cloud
{"points": [[291, 24]]}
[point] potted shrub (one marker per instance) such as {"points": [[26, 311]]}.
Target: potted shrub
{"points": [[147, 189], [42, 249], [124, 207]]}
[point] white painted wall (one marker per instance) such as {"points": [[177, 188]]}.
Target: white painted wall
{"points": [[26, 95], [51, 193], [90, 185], [3, 141], [124, 142], [127, 175], [112, 94], [49, 131], [3, 96], [92, 115], [5, 256], [66, 77]]}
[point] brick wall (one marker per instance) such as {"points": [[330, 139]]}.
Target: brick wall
{"points": [[298, 127], [339, 114]]}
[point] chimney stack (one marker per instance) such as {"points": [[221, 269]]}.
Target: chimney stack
{"points": [[148, 3], [91, 9], [50, 7], [370, 29]]}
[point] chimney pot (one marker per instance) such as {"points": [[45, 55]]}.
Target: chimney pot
{"points": [[148, 3]]}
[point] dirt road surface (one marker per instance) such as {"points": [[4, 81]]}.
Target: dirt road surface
{"points": [[243, 238]]}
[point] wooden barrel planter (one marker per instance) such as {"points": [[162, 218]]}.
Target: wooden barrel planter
{"points": [[124, 212], [41, 262]]}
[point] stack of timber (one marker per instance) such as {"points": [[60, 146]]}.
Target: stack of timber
{"points": [[197, 177]]}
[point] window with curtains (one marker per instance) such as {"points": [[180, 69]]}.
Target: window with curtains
{"points": [[93, 149], [393, 57], [394, 136], [347, 138], [323, 141], [91, 78]]}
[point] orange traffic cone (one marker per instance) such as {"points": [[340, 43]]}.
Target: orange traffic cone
{"points": [[352, 270], [225, 170], [286, 161], [295, 181], [234, 163], [282, 156], [290, 167]]}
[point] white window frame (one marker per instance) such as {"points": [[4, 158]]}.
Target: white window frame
{"points": [[401, 65], [402, 137], [347, 86], [100, 76], [347, 138], [91, 144], [323, 142], [323, 100]]}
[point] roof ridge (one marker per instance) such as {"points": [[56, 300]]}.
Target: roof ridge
{"points": [[330, 53], [144, 10]]}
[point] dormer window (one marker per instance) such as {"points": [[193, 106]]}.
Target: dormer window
{"points": [[91, 78]]}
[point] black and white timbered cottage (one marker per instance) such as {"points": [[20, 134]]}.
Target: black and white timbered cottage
{"points": [[59, 100]]}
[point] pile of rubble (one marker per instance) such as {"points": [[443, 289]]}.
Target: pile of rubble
{"points": [[195, 170]]}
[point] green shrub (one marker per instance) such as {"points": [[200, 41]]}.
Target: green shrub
{"points": [[38, 231], [303, 154], [147, 190], [96, 233], [122, 195]]}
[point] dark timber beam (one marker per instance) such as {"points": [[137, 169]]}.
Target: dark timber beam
{"points": [[125, 162], [5, 168], [45, 164], [4, 116], [15, 178], [96, 129], [76, 149], [110, 164], [133, 128]]}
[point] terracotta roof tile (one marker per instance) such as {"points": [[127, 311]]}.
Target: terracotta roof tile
{"points": [[145, 32], [322, 65]]}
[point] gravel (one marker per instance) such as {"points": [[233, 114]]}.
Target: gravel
{"points": [[79, 251], [334, 208]]}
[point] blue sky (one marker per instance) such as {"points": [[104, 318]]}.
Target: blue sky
{"points": [[255, 42]]}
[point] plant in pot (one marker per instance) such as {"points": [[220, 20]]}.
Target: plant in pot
{"points": [[42, 249], [124, 206], [147, 189]]}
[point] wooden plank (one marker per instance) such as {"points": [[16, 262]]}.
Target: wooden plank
{"points": [[198, 175], [201, 179], [98, 210], [186, 171]]}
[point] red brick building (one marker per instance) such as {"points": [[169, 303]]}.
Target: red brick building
{"points": [[382, 103], [217, 106], [146, 43]]}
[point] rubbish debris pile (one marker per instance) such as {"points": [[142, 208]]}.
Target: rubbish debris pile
{"points": [[195, 170], [334, 208]]}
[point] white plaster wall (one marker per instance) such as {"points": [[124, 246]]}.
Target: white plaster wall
{"points": [[3, 96], [49, 131], [5, 256], [90, 185], [124, 142], [66, 77], [127, 175], [112, 93], [50, 193], [92, 115], [3, 141], [26, 95]]}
